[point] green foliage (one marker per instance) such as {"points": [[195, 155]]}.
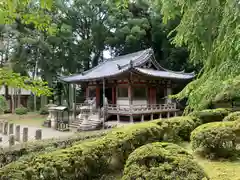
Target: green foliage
{"points": [[211, 115], [29, 151], [15, 80], [232, 116], [11, 10], [179, 128], [43, 111], [162, 161], [217, 139], [3, 104], [21, 111], [86, 160], [210, 29]]}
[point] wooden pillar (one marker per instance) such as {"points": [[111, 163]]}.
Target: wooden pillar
{"points": [[130, 93], [97, 96], [154, 94], [151, 116], [118, 118], [131, 118], [168, 115], [142, 118], [149, 95], [113, 95], [87, 92], [160, 116]]}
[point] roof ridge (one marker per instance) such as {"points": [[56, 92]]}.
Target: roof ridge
{"points": [[135, 60], [178, 72]]}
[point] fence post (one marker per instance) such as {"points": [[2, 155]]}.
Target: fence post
{"points": [[25, 134], [10, 128], [17, 133], [11, 140], [5, 129], [38, 134]]}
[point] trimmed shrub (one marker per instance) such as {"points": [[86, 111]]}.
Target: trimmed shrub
{"points": [[232, 116], [179, 128], [87, 160], [211, 115], [21, 111], [162, 161], [43, 111], [217, 139], [7, 156]]}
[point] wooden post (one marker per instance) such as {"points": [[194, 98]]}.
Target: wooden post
{"points": [[142, 118], [131, 118], [168, 115], [97, 96], [10, 128], [113, 95], [25, 134], [160, 116], [130, 93], [38, 134], [118, 118], [17, 133], [151, 116], [5, 128]]}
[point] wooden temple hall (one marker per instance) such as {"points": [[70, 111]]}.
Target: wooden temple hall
{"points": [[131, 87]]}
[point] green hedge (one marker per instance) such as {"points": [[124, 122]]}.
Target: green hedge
{"points": [[211, 115], [162, 161], [232, 116], [7, 156], [217, 139], [179, 128], [21, 111], [87, 160], [43, 111]]}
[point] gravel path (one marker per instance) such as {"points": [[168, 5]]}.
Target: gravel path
{"points": [[47, 133]]}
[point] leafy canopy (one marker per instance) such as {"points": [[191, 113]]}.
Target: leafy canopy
{"points": [[211, 30]]}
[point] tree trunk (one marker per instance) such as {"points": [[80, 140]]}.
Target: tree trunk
{"points": [[19, 97]]}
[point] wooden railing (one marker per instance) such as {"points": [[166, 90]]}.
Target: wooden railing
{"points": [[138, 109]]}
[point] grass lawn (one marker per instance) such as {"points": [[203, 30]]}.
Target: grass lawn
{"points": [[31, 119], [218, 170]]}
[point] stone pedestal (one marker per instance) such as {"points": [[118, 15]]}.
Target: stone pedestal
{"points": [[38, 134], [11, 128], [25, 134], [5, 128], [53, 119], [1, 127], [11, 140], [17, 133]]}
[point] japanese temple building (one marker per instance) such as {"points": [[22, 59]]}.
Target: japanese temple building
{"points": [[134, 86]]}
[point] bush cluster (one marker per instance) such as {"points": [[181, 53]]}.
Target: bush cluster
{"points": [[217, 139], [21, 111], [7, 156], [179, 128], [86, 160], [91, 159], [211, 115], [232, 116], [162, 161], [43, 111]]}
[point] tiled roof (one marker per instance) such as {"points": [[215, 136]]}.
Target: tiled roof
{"points": [[118, 65], [165, 74]]}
